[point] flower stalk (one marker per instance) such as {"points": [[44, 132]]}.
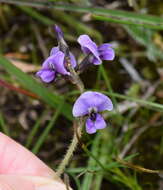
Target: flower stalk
{"points": [[70, 149], [77, 125], [75, 77], [90, 104]]}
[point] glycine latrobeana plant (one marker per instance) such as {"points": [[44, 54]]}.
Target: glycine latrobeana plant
{"points": [[88, 107]]}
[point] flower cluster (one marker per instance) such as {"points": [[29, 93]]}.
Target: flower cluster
{"points": [[89, 104], [56, 64]]}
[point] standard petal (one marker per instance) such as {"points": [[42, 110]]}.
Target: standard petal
{"points": [[99, 122], [95, 99], [46, 75], [80, 108], [106, 52], [90, 126], [88, 46], [58, 61], [54, 50]]}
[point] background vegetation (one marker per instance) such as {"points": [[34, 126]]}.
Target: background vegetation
{"points": [[128, 153]]}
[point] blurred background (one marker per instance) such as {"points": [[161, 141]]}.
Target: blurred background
{"points": [[129, 152]]}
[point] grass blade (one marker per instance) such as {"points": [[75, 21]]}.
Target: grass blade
{"points": [[43, 136], [130, 21], [87, 181], [153, 105], [4, 127], [122, 17], [33, 131]]}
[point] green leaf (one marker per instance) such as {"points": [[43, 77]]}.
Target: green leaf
{"points": [[32, 85]]}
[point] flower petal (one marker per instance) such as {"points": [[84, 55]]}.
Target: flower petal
{"points": [[100, 122], [88, 46], [46, 75], [48, 63], [95, 61], [106, 52], [80, 108], [58, 61], [58, 32], [104, 46], [95, 99], [90, 126], [54, 50], [73, 60]]}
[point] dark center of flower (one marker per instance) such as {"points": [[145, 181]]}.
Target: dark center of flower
{"points": [[51, 66], [93, 116], [93, 113]]}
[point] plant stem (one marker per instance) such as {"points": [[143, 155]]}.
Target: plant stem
{"points": [[77, 133], [75, 77], [70, 149]]}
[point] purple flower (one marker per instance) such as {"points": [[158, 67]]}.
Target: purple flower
{"points": [[55, 63], [99, 53], [90, 104], [58, 32]]}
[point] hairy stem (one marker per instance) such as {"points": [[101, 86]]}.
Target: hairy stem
{"points": [[71, 149]]}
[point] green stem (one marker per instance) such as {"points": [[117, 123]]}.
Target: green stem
{"points": [[70, 150]]}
